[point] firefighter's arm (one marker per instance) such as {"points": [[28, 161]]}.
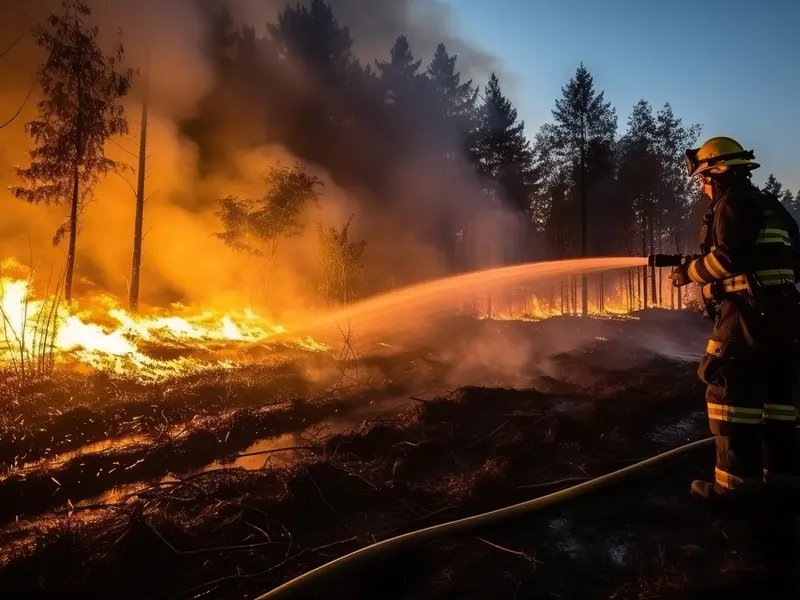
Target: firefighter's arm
{"points": [[737, 221]]}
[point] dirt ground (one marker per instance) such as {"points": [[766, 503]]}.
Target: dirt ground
{"points": [[584, 398]]}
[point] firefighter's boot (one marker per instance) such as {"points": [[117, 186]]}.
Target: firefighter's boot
{"points": [[707, 490], [714, 492]]}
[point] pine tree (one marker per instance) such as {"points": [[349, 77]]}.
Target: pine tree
{"points": [[773, 185], [503, 152], [79, 113], [312, 37], [400, 74], [581, 116], [676, 191], [792, 203], [454, 98]]}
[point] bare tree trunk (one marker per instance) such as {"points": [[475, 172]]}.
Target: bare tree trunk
{"points": [[653, 270], [136, 263], [630, 290], [575, 295], [602, 294], [660, 287], [584, 224], [73, 232], [644, 269], [638, 287]]}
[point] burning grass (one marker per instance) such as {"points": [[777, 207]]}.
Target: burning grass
{"points": [[42, 332]]}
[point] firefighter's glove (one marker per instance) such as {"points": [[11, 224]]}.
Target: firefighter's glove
{"points": [[680, 276]]}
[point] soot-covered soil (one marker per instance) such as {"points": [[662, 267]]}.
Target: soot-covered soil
{"points": [[235, 533]]}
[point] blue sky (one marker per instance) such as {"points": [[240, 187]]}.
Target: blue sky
{"points": [[732, 66]]}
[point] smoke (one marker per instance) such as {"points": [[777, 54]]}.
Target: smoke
{"points": [[568, 351], [375, 25], [401, 217]]}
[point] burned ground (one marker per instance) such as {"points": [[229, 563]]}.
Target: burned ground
{"points": [[592, 403]]}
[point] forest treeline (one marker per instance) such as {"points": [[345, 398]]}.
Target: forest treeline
{"points": [[417, 140]]}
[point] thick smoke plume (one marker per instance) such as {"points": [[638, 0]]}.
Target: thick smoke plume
{"points": [[188, 170]]}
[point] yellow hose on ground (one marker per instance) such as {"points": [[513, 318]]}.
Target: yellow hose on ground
{"points": [[303, 583]]}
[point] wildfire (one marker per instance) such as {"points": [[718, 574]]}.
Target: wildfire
{"points": [[38, 333]]}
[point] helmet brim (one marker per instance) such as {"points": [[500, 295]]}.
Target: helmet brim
{"points": [[736, 162]]}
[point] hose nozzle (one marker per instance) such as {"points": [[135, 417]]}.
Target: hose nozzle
{"points": [[666, 260]]}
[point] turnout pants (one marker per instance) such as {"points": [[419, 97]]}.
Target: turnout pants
{"points": [[750, 368]]}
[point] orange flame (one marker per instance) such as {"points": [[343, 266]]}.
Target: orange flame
{"points": [[35, 328]]}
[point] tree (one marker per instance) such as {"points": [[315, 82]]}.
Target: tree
{"points": [[581, 116], [79, 113], [402, 85], [676, 191], [312, 38], [136, 262], [454, 97], [316, 84], [639, 174], [400, 74], [341, 262], [256, 226], [773, 185], [502, 151], [792, 203]]}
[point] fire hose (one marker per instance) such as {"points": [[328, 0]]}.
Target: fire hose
{"points": [[302, 586]]}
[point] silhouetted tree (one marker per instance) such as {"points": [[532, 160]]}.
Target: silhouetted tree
{"points": [[502, 151], [79, 113], [792, 203], [400, 74], [454, 102], [675, 192], [403, 88], [580, 117], [138, 219], [773, 186]]}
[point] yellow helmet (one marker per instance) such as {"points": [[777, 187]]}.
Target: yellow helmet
{"points": [[719, 154]]}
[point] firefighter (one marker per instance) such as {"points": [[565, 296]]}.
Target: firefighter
{"points": [[746, 272]]}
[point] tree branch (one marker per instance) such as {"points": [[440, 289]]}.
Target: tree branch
{"points": [[22, 106]]}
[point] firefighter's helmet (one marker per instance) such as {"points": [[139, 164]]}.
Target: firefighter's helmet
{"points": [[718, 155]]}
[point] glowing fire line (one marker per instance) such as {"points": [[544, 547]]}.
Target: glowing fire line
{"points": [[33, 328]]}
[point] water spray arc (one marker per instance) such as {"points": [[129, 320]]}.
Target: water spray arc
{"points": [[434, 296]]}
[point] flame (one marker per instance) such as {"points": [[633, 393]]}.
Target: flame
{"points": [[38, 332]]}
